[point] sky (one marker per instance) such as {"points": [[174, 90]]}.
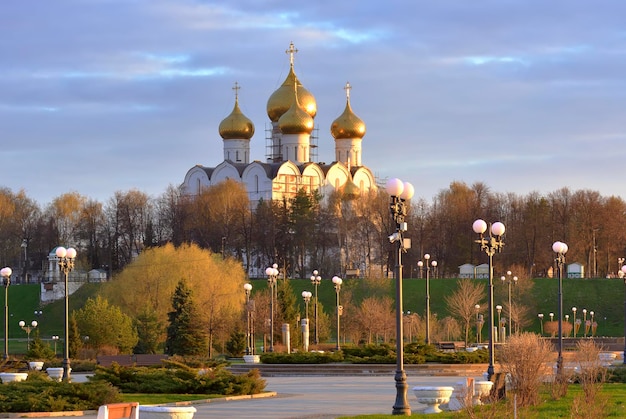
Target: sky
{"points": [[99, 96]]}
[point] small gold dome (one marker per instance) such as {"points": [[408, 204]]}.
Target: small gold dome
{"points": [[280, 101], [236, 126], [296, 120], [350, 191], [347, 125]]}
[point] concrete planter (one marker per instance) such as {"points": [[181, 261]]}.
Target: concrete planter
{"points": [[252, 359], [8, 377], [166, 412], [55, 373], [432, 397], [35, 365], [481, 389]]}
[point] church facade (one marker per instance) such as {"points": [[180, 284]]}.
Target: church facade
{"points": [[288, 165]]}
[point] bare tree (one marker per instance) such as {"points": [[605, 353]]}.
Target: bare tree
{"points": [[461, 304]]}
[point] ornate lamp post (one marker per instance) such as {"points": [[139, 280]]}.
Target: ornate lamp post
{"points": [[6, 281], [66, 264], [540, 315], [272, 275], [306, 296], [574, 309], [490, 245], [510, 280], [400, 193], [337, 281], [560, 249], [28, 329], [247, 288], [315, 280]]}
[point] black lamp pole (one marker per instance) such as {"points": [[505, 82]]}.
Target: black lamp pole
{"points": [[66, 265], [6, 281]]}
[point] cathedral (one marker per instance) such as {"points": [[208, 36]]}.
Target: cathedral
{"points": [[288, 165]]}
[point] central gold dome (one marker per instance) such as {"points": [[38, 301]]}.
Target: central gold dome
{"points": [[280, 101]]}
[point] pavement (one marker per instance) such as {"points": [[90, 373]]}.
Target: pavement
{"points": [[308, 397]]}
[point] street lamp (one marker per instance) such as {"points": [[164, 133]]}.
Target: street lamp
{"points": [[428, 265], [66, 264], [478, 325], [509, 280], [574, 309], [592, 323], [560, 249], [247, 288], [28, 329], [551, 317], [55, 338], [306, 295], [400, 192], [540, 315], [315, 280], [584, 322], [499, 335], [490, 245], [6, 281], [272, 275], [337, 281]]}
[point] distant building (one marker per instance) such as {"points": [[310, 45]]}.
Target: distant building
{"points": [[291, 149], [472, 271], [575, 270]]}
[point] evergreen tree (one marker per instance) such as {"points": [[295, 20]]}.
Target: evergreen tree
{"points": [[75, 340], [185, 335], [288, 309], [149, 330], [236, 345], [38, 350]]}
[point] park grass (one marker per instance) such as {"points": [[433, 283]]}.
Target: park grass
{"points": [[615, 395], [145, 398]]}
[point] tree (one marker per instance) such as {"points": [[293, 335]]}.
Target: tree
{"points": [[75, 340], [149, 331], [461, 303], [106, 325], [185, 336]]}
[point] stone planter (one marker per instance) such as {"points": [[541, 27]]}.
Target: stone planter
{"points": [[481, 389], [166, 412], [55, 373], [607, 358], [35, 365], [252, 359], [432, 397], [8, 377]]}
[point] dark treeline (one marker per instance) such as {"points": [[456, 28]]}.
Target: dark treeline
{"points": [[334, 235]]}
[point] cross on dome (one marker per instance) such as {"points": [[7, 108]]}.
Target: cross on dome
{"points": [[236, 89], [291, 51], [347, 88]]}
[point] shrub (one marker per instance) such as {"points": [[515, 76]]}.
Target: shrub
{"points": [[523, 358], [591, 375], [302, 357]]}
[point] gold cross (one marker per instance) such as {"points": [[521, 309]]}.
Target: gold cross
{"points": [[347, 89], [236, 89], [291, 51]]}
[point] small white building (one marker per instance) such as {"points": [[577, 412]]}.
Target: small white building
{"points": [[471, 271], [575, 270]]}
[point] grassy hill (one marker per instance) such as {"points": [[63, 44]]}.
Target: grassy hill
{"points": [[604, 296]]}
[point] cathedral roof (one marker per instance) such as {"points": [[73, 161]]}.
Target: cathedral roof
{"points": [[236, 126], [296, 120], [347, 125]]}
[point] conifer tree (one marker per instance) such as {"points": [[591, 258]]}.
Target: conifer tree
{"points": [[185, 335], [149, 331]]}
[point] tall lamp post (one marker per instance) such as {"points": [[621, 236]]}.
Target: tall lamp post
{"points": [[540, 315], [574, 309], [66, 264], [428, 265], [490, 245], [272, 275], [624, 276], [400, 192], [478, 325], [6, 281], [337, 281], [315, 280], [306, 296], [499, 334], [28, 329], [560, 249], [510, 280], [247, 288]]}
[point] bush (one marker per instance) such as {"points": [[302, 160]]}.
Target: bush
{"points": [[302, 357]]}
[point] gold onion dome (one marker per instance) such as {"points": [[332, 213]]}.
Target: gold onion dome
{"points": [[347, 125], [236, 126], [296, 120], [350, 191], [280, 101]]}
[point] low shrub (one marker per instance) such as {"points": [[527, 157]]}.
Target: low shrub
{"points": [[302, 357]]}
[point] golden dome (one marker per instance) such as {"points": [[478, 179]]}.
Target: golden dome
{"points": [[296, 120], [280, 101], [350, 191], [236, 126], [347, 125]]}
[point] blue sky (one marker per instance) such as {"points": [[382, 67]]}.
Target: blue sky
{"points": [[99, 96]]}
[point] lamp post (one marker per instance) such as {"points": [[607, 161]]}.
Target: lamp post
{"points": [[592, 324], [66, 265], [540, 315], [551, 316], [584, 322], [560, 249], [272, 275], [306, 296], [499, 310], [337, 281], [6, 281], [574, 309], [490, 245], [55, 338], [315, 280], [510, 280], [28, 329], [400, 192], [428, 265], [477, 310], [247, 288]]}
